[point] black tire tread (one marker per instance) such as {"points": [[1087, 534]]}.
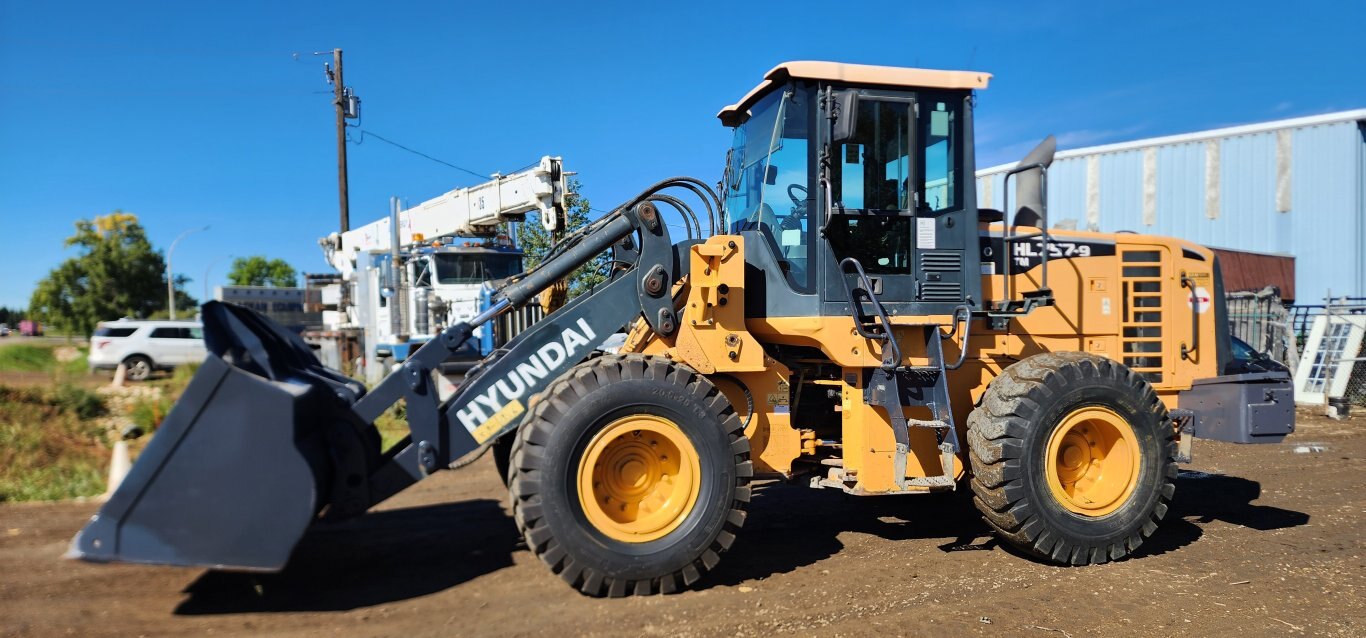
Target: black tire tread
{"points": [[524, 481], [995, 437]]}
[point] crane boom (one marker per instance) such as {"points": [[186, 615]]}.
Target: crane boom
{"points": [[475, 211]]}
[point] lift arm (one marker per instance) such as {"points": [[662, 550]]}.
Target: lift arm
{"points": [[492, 403]]}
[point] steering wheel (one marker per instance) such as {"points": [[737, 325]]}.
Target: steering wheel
{"points": [[797, 201]]}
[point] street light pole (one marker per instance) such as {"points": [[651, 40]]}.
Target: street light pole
{"points": [[170, 279], [209, 269]]}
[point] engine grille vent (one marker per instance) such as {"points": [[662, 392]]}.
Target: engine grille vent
{"points": [[941, 261], [941, 291]]}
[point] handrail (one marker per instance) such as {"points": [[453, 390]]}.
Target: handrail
{"points": [[967, 328], [1187, 282], [856, 307], [1008, 236]]}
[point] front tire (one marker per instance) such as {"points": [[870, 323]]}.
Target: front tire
{"points": [[138, 368], [630, 476], [1072, 458]]}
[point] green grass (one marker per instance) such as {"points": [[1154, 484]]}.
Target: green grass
{"points": [[24, 357], [392, 425], [49, 449], [33, 357]]}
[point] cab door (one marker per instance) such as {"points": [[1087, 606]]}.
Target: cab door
{"points": [[898, 203]]}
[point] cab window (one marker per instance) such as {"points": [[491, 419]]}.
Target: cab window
{"points": [[766, 186], [873, 169], [940, 123]]}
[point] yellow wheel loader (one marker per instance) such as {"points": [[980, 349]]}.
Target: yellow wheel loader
{"points": [[842, 314]]}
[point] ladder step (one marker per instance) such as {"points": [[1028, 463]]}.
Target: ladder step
{"points": [[927, 423], [918, 369], [921, 376], [931, 481]]}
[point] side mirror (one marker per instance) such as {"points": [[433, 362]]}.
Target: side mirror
{"points": [[771, 175], [1030, 187], [845, 126]]}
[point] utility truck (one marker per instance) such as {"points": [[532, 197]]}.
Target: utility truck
{"points": [[409, 275]]}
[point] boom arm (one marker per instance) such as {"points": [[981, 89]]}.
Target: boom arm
{"points": [[493, 402], [468, 212]]}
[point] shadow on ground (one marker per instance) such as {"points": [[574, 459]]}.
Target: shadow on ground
{"points": [[400, 554], [1204, 498], [378, 558], [791, 527]]}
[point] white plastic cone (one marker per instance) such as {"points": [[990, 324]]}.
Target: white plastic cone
{"points": [[118, 467]]}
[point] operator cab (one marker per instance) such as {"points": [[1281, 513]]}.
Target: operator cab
{"points": [[837, 161]]}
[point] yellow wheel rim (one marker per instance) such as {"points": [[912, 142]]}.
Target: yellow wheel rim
{"points": [[1092, 461], [639, 478]]}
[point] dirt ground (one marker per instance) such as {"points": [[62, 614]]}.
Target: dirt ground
{"points": [[1261, 540]]}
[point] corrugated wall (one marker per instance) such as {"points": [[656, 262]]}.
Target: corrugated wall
{"points": [[1299, 191]]}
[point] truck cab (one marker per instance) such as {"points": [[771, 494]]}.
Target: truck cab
{"points": [[437, 285]]}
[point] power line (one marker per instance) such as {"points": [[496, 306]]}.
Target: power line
{"points": [[386, 140]]}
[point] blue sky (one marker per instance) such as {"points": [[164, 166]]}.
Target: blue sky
{"points": [[197, 113]]}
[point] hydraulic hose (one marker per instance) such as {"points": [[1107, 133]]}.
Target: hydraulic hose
{"points": [[560, 266], [683, 209]]}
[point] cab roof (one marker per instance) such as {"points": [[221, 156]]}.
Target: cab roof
{"points": [[853, 74]]}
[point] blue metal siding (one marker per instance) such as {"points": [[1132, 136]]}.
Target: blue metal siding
{"points": [[1247, 215], [1325, 228], [1326, 214], [1068, 202], [1181, 192]]}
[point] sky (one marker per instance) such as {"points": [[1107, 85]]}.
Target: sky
{"points": [[194, 114]]}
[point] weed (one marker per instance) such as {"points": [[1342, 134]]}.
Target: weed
{"points": [[148, 413], [47, 449], [23, 357]]}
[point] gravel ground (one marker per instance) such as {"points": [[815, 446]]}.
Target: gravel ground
{"points": [[1261, 540]]}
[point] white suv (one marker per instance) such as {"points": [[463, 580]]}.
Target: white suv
{"points": [[145, 346]]}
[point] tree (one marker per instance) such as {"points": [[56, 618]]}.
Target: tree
{"points": [[535, 242], [117, 274], [256, 270]]}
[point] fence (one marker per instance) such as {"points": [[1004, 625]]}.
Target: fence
{"points": [[1262, 320]]}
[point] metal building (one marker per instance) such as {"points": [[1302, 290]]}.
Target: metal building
{"points": [[1292, 187]]}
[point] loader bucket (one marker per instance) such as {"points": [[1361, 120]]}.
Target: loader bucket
{"points": [[261, 441]]}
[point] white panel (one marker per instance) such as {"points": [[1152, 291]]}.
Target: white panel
{"points": [[1321, 374], [986, 194], [1212, 179], [1283, 172], [1093, 192], [1150, 186]]}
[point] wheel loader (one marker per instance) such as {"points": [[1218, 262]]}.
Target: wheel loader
{"points": [[841, 314]]}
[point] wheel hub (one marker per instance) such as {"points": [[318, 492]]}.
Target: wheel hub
{"points": [[638, 478], [1092, 461]]}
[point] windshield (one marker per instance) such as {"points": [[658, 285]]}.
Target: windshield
{"points": [[475, 268], [766, 182]]}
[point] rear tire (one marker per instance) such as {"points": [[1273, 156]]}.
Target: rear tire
{"points": [[1072, 458], [645, 435], [138, 367]]}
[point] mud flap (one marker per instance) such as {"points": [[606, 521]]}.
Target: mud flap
{"points": [[244, 462]]}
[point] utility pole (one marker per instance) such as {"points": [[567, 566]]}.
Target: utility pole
{"points": [[340, 103], [348, 107]]}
